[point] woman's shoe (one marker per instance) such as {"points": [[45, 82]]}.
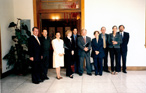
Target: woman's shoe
{"points": [[112, 73], [57, 78], [60, 77], [71, 76], [116, 73]]}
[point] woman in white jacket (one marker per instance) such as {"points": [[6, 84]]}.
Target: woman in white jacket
{"points": [[58, 54]]}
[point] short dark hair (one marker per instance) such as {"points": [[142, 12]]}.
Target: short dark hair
{"points": [[102, 27], [57, 32], [96, 32], [34, 28], [122, 25], [114, 26], [74, 28], [43, 30]]}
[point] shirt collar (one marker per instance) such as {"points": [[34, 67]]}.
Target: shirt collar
{"points": [[84, 36], [35, 36]]}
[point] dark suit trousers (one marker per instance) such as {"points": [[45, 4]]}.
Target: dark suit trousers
{"points": [[36, 71], [88, 64], [105, 59], [123, 55], [68, 61], [76, 62], [45, 64], [115, 54], [98, 65]]}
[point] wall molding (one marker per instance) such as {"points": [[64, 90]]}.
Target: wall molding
{"points": [[0, 54], [135, 68]]}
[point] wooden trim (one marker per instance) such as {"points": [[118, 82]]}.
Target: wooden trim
{"points": [[46, 11], [57, 1], [35, 13], [0, 54], [135, 68], [145, 25], [82, 14]]}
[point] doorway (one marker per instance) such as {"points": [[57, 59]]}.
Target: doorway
{"points": [[58, 15]]}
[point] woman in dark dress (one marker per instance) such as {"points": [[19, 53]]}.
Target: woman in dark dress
{"points": [[97, 53], [68, 53]]}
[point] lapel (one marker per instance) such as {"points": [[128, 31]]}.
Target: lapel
{"points": [[36, 41], [82, 39], [69, 42]]}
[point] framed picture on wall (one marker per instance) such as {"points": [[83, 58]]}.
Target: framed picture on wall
{"points": [[60, 29], [67, 28], [25, 23], [52, 32]]}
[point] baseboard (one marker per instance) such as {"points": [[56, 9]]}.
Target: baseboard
{"points": [[6, 73], [129, 68], [135, 68]]}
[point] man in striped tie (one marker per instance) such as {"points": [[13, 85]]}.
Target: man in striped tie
{"points": [[104, 36]]}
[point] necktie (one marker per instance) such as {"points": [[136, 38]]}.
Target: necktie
{"points": [[38, 40], [104, 42], [97, 39], [85, 39], [121, 35]]}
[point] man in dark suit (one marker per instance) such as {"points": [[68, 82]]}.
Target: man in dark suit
{"points": [[104, 36], [75, 48], [45, 47], [34, 48], [123, 47], [84, 44]]}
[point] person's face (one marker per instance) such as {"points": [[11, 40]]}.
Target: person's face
{"points": [[84, 32], [96, 34], [75, 31], [36, 32], [114, 29], [103, 30], [69, 34], [121, 28], [44, 33], [58, 35]]}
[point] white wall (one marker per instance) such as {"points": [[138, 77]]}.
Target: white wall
{"points": [[6, 16], [23, 9], [10, 10], [130, 13]]}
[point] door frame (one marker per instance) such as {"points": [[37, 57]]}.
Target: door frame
{"points": [[35, 3], [0, 54]]}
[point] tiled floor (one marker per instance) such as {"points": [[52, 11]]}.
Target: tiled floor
{"points": [[133, 82]]}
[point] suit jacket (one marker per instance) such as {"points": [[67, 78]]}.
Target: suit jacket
{"points": [[117, 38], [45, 45], [68, 45], [125, 40], [97, 47], [34, 48], [81, 45], [74, 43], [106, 36]]}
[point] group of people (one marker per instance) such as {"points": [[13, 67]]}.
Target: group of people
{"points": [[75, 49]]}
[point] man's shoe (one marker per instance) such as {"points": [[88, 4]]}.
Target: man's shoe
{"points": [[107, 71], [35, 82], [124, 72], [89, 74], [96, 74], [46, 78], [80, 74]]}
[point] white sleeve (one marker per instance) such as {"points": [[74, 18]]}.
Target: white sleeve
{"points": [[55, 47]]}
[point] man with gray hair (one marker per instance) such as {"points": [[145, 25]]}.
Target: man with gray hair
{"points": [[84, 46]]}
